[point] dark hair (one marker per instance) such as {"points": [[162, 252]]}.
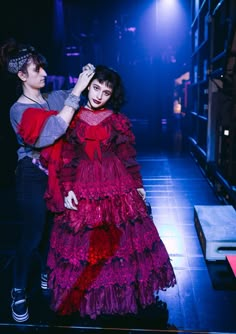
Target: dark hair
{"points": [[12, 50], [113, 80], [15, 57]]}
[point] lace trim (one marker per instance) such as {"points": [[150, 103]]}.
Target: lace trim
{"points": [[94, 118]]}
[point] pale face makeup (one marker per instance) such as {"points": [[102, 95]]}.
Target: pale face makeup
{"points": [[98, 94]]}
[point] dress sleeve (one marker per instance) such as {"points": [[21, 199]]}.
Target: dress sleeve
{"points": [[69, 159], [32, 123], [27, 120], [59, 160], [125, 148]]}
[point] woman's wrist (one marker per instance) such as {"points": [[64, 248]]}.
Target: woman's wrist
{"points": [[72, 101]]}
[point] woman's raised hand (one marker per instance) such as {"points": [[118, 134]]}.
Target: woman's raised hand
{"points": [[84, 79], [88, 67]]}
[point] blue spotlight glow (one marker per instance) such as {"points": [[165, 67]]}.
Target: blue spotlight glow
{"points": [[171, 21], [169, 2], [167, 10]]}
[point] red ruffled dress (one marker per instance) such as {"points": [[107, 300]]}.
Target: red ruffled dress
{"points": [[106, 257]]}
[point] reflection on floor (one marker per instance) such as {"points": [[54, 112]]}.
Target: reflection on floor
{"points": [[204, 300]]}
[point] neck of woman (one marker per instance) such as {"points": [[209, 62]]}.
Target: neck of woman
{"points": [[33, 94], [87, 106], [34, 97]]}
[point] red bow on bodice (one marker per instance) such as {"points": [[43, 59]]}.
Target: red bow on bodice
{"points": [[93, 136]]}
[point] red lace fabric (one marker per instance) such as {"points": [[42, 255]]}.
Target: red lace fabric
{"points": [[29, 129], [32, 122], [106, 257]]}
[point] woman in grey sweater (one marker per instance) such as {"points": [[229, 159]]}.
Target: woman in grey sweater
{"points": [[38, 121]]}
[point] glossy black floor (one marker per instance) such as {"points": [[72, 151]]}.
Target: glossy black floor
{"points": [[203, 301]]}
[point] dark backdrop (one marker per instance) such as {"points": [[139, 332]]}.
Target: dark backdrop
{"points": [[130, 36]]}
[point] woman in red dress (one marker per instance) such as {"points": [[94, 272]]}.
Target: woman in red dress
{"points": [[106, 256]]}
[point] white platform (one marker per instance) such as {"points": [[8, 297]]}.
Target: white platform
{"points": [[216, 228]]}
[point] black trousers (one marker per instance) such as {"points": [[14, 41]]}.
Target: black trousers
{"points": [[34, 219]]}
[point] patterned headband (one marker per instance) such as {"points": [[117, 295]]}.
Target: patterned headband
{"points": [[15, 64]]}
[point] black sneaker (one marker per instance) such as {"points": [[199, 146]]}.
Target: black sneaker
{"points": [[44, 281], [19, 306]]}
